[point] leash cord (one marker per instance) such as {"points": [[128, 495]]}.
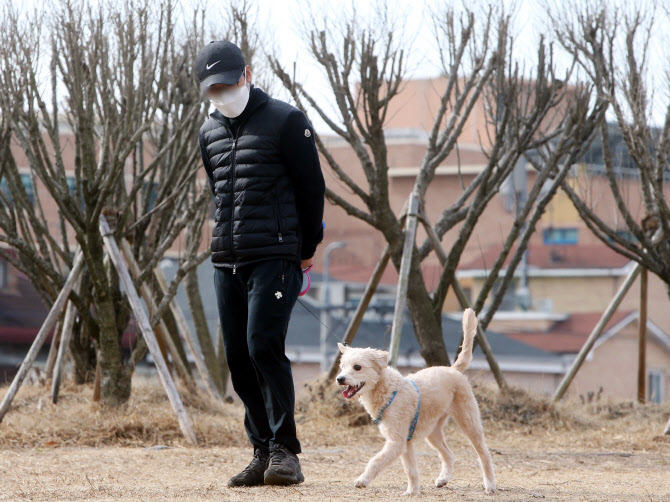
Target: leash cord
{"points": [[330, 331]]}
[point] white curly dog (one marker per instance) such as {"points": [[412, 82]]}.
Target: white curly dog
{"points": [[416, 407]]}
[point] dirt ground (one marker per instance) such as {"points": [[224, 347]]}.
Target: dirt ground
{"points": [[76, 451]]}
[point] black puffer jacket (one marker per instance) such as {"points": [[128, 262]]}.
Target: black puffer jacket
{"points": [[265, 175]]}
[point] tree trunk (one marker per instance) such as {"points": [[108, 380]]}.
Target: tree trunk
{"points": [[83, 332], [114, 380], [427, 323], [83, 354]]}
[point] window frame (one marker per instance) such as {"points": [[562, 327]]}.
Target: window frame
{"points": [[556, 236], [660, 376]]}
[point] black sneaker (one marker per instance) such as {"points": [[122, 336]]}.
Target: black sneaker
{"points": [[283, 467], [252, 475]]}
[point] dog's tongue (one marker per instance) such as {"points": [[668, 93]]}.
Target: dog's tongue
{"points": [[348, 392]]}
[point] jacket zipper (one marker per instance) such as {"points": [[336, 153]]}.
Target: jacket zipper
{"points": [[232, 180], [276, 204], [232, 195]]}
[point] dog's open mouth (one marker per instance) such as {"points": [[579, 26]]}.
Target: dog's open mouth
{"points": [[351, 390]]}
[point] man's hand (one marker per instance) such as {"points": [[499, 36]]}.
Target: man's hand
{"points": [[306, 263]]}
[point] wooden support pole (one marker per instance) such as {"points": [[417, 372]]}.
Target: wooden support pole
{"points": [[66, 335], [361, 308], [463, 301], [642, 346], [597, 331], [190, 339], [403, 278], [145, 326], [148, 297], [55, 311], [53, 352]]}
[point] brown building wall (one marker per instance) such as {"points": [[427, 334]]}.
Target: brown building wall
{"points": [[614, 365], [543, 383]]}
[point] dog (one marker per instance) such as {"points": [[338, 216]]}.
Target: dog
{"points": [[408, 409]]}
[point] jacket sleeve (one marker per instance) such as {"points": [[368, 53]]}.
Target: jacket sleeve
{"points": [[205, 161], [300, 156]]}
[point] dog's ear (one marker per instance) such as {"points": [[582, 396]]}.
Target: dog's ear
{"points": [[381, 358], [343, 348]]}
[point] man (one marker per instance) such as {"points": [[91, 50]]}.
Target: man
{"points": [[264, 171]]}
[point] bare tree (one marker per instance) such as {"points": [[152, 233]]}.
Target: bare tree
{"points": [[365, 67], [107, 83], [614, 51]]}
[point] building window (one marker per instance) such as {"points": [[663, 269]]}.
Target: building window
{"points": [[149, 190], [72, 189], [560, 235], [27, 182], [4, 188], [655, 387], [70, 184], [626, 235]]}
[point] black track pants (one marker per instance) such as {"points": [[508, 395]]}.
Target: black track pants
{"points": [[255, 304]]}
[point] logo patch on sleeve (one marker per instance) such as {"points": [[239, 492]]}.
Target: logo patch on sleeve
{"points": [[307, 133]]}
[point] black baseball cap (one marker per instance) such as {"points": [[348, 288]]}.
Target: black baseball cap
{"points": [[219, 62]]}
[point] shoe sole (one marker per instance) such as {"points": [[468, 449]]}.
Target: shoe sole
{"points": [[233, 485], [278, 479]]}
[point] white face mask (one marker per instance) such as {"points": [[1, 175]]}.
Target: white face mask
{"points": [[232, 102]]}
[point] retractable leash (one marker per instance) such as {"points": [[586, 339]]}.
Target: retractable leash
{"points": [[309, 281], [306, 271], [330, 331]]}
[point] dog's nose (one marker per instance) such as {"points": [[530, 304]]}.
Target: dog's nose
{"points": [[341, 379]]}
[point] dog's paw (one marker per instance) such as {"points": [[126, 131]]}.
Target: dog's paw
{"points": [[490, 489], [410, 492], [361, 482], [441, 482]]}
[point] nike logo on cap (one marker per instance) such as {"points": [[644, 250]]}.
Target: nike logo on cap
{"points": [[209, 66]]}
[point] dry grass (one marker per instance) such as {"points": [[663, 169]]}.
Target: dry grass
{"points": [[148, 419]]}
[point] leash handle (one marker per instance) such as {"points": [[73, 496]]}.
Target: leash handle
{"points": [[309, 281]]}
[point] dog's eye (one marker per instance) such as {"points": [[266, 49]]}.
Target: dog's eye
{"points": [[357, 367]]}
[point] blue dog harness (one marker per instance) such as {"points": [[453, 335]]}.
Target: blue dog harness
{"points": [[412, 426], [418, 408]]}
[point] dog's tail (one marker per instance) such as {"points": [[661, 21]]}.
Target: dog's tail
{"points": [[469, 330]]}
